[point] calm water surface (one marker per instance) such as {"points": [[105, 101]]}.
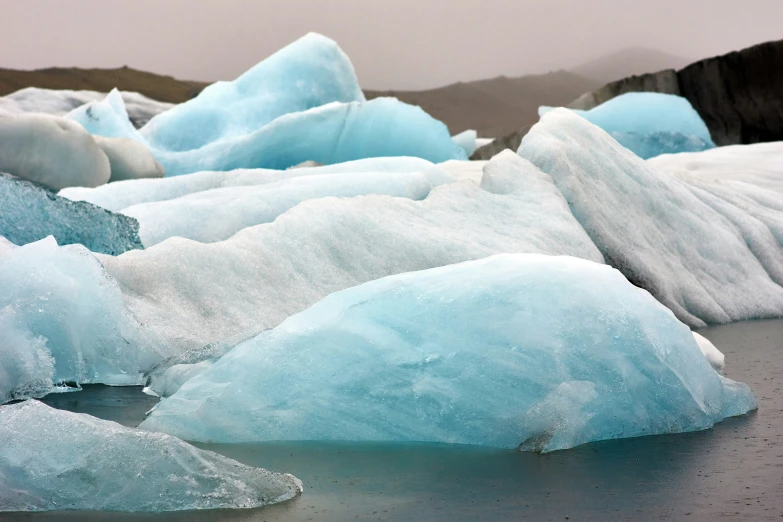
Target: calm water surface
{"points": [[732, 472]]}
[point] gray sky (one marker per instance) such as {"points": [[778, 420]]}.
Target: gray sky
{"points": [[392, 43]]}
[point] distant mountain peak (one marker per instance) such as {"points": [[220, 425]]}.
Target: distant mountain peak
{"points": [[629, 62]]}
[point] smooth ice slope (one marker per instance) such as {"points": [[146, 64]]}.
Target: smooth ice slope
{"points": [[705, 258], [714, 356], [650, 123], [117, 196], [53, 151], [57, 460], [57, 303], [229, 210], [760, 164], [514, 351], [59, 102], [308, 73], [332, 133], [266, 273], [30, 212], [129, 159]]}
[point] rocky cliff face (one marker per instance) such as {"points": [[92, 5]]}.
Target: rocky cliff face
{"points": [[738, 95]]}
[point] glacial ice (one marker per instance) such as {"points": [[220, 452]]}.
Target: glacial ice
{"points": [[57, 460], [129, 159], [53, 151], [30, 212], [59, 305], [118, 196], [332, 133], [60, 102], [714, 356], [703, 257], [467, 140], [107, 117], [514, 351], [268, 272], [650, 123], [308, 73], [231, 209], [760, 164]]}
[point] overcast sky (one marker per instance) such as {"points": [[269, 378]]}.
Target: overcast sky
{"points": [[392, 43]]}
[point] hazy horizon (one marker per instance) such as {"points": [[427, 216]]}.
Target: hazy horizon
{"points": [[400, 44]]}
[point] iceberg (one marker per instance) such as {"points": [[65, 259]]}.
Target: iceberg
{"points": [[121, 195], [107, 118], [263, 274], [308, 73], [467, 140], [706, 259], [129, 159], [63, 320], [30, 212], [59, 102], [513, 351], [53, 460], [52, 151], [332, 133], [649, 123], [232, 209]]}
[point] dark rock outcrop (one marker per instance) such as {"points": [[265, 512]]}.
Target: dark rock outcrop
{"points": [[663, 81]]}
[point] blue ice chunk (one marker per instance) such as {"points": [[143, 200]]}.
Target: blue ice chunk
{"points": [[63, 319], [467, 141], [650, 123], [107, 117], [57, 460], [31, 212], [514, 351], [308, 73], [332, 133]]}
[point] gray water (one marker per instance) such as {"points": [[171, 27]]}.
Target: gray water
{"points": [[732, 472]]}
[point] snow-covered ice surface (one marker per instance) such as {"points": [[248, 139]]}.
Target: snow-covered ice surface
{"points": [[117, 196], [50, 150], [472, 170], [760, 164], [704, 257], [60, 102], [62, 319], [514, 351], [232, 209], [56, 460], [30, 212], [266, 273], [650, 123]]}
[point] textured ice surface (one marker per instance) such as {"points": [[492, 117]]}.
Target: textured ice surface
{"points": [[107, 117], [53, 151], [229, 210], [332, 133], [58, 303], [129, 159], [466, 140], [58, 460], [760, 164], [29, 212], [60, 102], [117, 196], [650, 123], [472, 170], [308, 73], [703, 257], [528, 351], [266, 273]]}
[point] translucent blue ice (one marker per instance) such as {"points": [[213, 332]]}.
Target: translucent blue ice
{"points": [[467, 141], [514, 351], [650, 123], [54, 460], [62, 319], [30, 212]]}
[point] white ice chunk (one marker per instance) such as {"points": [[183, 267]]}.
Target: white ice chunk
{"points": [[715, 357], [129, 159]]}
